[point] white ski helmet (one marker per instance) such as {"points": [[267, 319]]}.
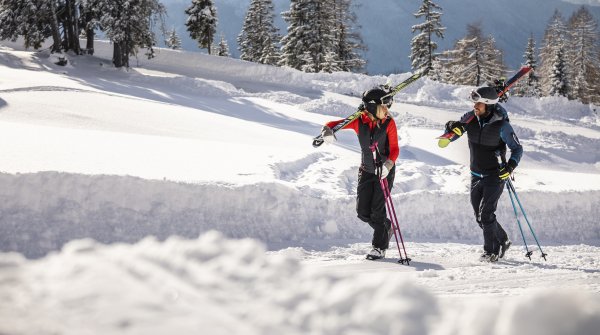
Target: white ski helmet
{"points": [[487, 95]]}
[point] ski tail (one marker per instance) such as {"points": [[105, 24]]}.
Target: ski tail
{"points": [[318, 140], [509, 83]]}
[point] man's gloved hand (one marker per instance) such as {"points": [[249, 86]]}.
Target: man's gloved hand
{"points": [[328, 135], [456, 127], [386, 168], [506, 170]]}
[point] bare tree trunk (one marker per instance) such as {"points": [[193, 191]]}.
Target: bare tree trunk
{"points": [[89, 45], [71, 31], [55, 30], [117, 54]]}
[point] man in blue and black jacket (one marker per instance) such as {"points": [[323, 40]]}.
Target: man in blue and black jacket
{"points": [[489, 133]]}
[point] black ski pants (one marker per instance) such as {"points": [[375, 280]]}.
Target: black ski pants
{"points": [[485, 193], [370, 206]]}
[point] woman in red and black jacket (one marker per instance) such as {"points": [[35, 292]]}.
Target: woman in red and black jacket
{"points": [[375, 125]]}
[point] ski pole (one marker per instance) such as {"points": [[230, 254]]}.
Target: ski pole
{"points": [[389, 206], [526, 219], [528, 253], [395, 224], [389, 209]]}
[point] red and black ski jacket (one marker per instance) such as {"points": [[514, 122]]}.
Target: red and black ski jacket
{"points": [[384, 133]]}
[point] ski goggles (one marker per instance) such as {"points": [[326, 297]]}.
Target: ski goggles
{"points": [[387, 101], [476, 97]]}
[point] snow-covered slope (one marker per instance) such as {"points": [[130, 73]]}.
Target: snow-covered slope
{"points": [[109, 177]]}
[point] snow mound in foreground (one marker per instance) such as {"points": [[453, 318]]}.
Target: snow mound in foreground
{"points": [[220, 286]]}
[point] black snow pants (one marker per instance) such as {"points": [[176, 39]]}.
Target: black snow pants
{"points": [[370, 206], [485, 193]]}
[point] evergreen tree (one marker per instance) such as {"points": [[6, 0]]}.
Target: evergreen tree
{"points": [[173, 41], [223, 47], [258, 40], [34, 20], [331, 63], [558, 76], [531, 86], [129, 27], [202, 22], [310, 36], [308, 64], [348, 41], [69, 15], [552, 44], [422, 46], [583, 50], [90, 14], [595, 75]]}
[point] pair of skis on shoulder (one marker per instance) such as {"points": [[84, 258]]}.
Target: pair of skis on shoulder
{"points": [[318, 140]]}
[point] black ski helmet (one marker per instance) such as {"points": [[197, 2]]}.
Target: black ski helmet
{"points": [[376, 96], [486, 94]]}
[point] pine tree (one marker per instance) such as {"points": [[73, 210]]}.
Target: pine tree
{"points": [[583, 50], [129, 27], [173, 41], [558, 76], [223, 48], [90, 22], [308, 64], [33, 20], [331, 63], [348, 41], [310, 36], [202, 22], [422, 46], [258, 40], [552, 44], [531, 86], [70, 18], [595, 75]]}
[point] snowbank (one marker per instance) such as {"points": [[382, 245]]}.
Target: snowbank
{"points": [[41, 212], [213, 285]]}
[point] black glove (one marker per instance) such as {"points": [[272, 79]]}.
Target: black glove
{"points": [[507, 169], [456, 127]]}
